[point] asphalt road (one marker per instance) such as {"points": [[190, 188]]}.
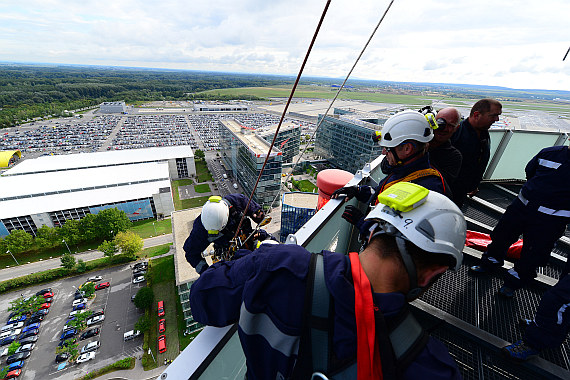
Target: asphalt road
{"points": [[26, 269], [120, 316]]}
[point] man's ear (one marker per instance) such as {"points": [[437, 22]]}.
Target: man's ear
{"points": [[427, 274]]}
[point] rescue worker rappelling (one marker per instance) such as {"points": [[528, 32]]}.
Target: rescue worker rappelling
{"points": [[218, 224]]}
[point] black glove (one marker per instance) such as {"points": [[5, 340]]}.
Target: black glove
{"points": [[350, 192], [352, 214], [258, 216]]}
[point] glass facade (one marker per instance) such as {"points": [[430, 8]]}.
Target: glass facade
{"points": [[294, 217], [245, 163], [288, 140], [346, 143], [184, 294]]}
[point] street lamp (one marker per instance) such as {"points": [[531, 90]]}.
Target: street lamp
{"points": [[17, 263], [154, 229], [63, 241]]}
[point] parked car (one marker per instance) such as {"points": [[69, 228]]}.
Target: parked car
{"points": [[131, 335], [102, 285], [85, 357], [4, 352], [61, 357], [29, 339], [33, 326], [142, 264], [162, 325], [13, 374], [68, 334], [48, 299], [12, 326], [79, 306], [133, 297], [10, 333], [36, 319], [97, 312], [8, 340], [66, 342], [43, 291], [29, 333], [161, 344], [139, 272], [78, 301], [91, 347], [46, 305], [25, 347], [74, 312], [48, 295], [17, 357], [42, 312], [16, 319], [94, 320], [78, 296], [89, 333], [94, 279], [138, 279], [16, 365]]}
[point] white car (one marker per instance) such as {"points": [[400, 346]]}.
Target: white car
{"points": [[94, 320], [77, 302], [85, 357], [95, 278], [25, 347], [138, 279], [4, 352], [75, 312], [11, 327], [91, 347], [10, 332], [131, 334]]}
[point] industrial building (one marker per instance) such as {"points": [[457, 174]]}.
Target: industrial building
{"points": [[288, 139], [346, 139], [112, 107], [52, 189], [243, 153], [219, 108]]}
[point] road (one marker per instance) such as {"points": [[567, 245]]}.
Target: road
{"points": [[40, 266]]}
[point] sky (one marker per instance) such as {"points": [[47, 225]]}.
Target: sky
{"points": [[516, 44]]}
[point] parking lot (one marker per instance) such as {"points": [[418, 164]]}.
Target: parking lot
{"points": [[120, 317]]}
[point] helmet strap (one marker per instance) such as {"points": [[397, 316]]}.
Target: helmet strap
{"points": [[402, 161], [410, 266]]}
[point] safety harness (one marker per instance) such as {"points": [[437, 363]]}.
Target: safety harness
{"points": [[395, 344], [413, 176]]}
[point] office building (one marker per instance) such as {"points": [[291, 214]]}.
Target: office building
{"points": [[288, 139], [296, 209]]}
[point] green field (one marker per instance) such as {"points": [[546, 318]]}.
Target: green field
{"points": [[148, 228], [202, 172], [202, 188]]}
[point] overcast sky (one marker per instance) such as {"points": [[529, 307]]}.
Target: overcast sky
{"points": [[517, 44]]}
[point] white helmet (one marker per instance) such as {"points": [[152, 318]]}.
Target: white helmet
{"points": [[215, 214], [426, 218], [405, 125]]}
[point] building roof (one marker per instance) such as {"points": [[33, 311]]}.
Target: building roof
{"points": [[270, 130], [86, 160], [301, 200], [255, 143], [182, 222]]}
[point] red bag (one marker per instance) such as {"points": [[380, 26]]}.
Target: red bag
{"points": [[479, 241]]}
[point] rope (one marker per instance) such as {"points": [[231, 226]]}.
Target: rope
{"points": [[283, 114]]}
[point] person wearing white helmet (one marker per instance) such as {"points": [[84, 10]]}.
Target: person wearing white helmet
{"points": [[404, 140], [218, 223], [278, 293]]}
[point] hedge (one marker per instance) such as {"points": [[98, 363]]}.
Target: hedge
{"points": [[126, 363]]}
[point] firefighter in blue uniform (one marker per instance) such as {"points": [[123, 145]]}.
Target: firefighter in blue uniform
{"points": [[404, 141], [540, 213], [218, 223], [550, 325], [412, 243]]}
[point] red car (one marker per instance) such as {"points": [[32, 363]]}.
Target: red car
{"points": [[161, 344], [13, 374], [48, 295], [161, 308], [162, 325], [46, 305], [102, 285]]}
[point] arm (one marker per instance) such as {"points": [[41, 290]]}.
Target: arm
{"points": [[530, 168], [195, 244]]}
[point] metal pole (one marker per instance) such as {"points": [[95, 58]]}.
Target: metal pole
{"points": [[63, 241], [150, 352], [17, 263], [154, 229]]}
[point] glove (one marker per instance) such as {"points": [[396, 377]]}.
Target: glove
{"points": [[258, 216], [350, 192], [352, 214]]}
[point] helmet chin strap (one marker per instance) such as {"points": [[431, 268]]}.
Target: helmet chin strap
{"points": [[402, 161], [415, 290]]}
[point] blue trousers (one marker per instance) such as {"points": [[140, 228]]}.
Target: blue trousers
{"points": [[552, 319], [540, 232]]}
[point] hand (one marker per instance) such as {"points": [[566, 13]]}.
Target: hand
{"points": [[258, 216], [352, 214], [472, 193], [349, 191]]}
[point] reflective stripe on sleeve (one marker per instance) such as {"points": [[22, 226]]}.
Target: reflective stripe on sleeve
{"points": [[560, 312], [261, 324], [548, 163]]}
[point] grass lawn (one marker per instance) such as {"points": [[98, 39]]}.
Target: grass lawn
{"points": [[34, 255], [202, 172], [154, 251], [203, 188], [163, 285], [183, 204], [150, 227], [306, 186]]}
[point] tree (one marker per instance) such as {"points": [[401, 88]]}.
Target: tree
{"points": [[81, 266], [129, 242], [88, 289], [26, 305], [47, 237], [144, 298], [199, 154], [18, 241], [143, 324], [109, 248], [88, 227], [70, 232], [13, 347], [110, 222], [67, 261]]}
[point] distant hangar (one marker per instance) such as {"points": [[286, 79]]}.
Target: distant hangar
{"points": [[52, 189]]}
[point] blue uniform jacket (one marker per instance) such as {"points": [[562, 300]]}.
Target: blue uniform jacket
{"points": [[198, 241], [548, 179], [264, 291]]}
